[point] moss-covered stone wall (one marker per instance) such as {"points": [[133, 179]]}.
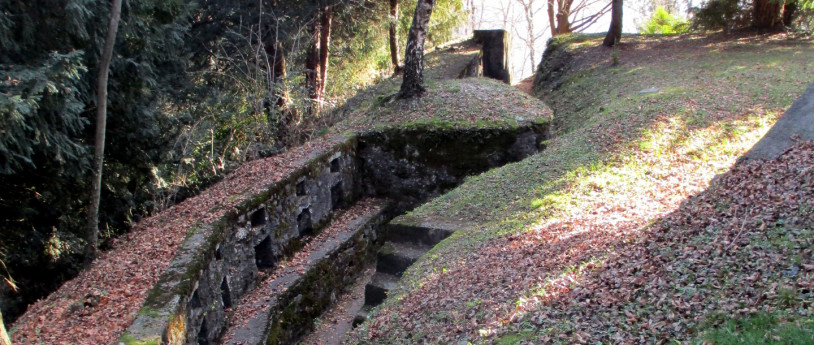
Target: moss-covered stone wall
{"points": [[219, 261], [411, 165]]}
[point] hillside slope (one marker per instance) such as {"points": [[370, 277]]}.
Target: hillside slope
{"points": [[98, 305], [614, 233]]}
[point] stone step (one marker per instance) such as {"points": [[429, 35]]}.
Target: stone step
{"points": [[361, 316], [394, 258], [326, 265], [418, 231], [376, 290]]}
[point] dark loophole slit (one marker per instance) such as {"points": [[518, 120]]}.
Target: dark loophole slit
{"points": [[203, 334], [263, 255], [304, 225], [337, 196], [218, 253], [258, 218], [225, 294], [195, 301], [335, 165], [301, 188]]}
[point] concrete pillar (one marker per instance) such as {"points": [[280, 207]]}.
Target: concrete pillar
{"points": [[497, 47]]}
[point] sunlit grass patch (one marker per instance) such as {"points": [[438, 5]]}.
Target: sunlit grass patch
{"points": [[763, 328]]}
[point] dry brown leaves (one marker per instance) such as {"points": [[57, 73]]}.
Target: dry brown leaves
{"points": [[263, 296], [606, 276], [98, 305]]}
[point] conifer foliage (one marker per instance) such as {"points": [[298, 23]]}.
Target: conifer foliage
{"points": [[50, 53]]}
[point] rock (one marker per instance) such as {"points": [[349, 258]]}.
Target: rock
{"points": [[649, 90]]}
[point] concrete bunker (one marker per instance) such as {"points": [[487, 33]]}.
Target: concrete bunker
{"points": [[222, 262]]}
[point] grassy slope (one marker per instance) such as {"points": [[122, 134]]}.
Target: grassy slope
{"points": [[560, 222], [449, 103]]}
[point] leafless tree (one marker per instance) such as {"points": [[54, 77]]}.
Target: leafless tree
{"points": [[532, 35], [567, 16], [506, 13]]}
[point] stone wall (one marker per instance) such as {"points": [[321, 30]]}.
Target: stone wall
{"points": [[219, 262], [414, 165]]}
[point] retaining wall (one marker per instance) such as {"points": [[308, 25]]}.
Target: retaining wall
{"points": [[218, 263]]}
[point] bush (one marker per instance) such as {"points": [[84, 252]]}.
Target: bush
{"points": [[723, 14], [662, 22]]}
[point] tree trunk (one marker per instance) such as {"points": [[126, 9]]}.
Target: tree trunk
{"points": [[558, 20], [312, 70], [413, 83], [615, 30], [766, 14], [563, 11], [276, 53], [551, 23], [394, 39], [101, 125], [324, 43], [788, 12], [528, 10], [4, 339], [279, 120]]}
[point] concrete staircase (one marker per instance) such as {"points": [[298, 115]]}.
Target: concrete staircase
{"points": [[406, 241], [281, 309]]}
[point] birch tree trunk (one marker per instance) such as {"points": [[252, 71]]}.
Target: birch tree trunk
{"points": [[101, 126], [413, 83]]}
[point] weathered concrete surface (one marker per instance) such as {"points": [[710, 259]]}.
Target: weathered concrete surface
{"points": [[798, 121], [329, 270], [474, 68], [411, 166], [496, 55], [220, 262], [407, 238]]}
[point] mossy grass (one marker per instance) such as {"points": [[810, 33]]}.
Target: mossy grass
{"points": [[762, 328], [716, 97], [451, 104]]}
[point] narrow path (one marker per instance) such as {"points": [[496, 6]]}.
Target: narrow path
{"points": [[248, 322], [335, 323], [525, 85]]}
